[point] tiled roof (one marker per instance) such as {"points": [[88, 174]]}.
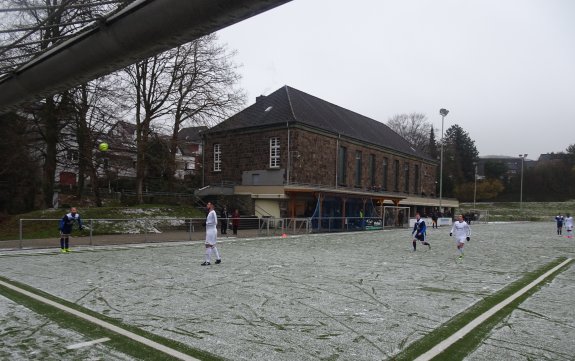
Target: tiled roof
{"points": [[289, 105], [191, 134]]}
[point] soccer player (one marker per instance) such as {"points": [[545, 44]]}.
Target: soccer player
{"points": [[65, 227], [559, 219], [419, 232], [224, 218], [434, 219], [461, 233], [211, 236], [569, 225]]}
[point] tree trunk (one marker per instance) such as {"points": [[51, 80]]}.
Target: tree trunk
{"points": [[49, 169], [141, 162]]}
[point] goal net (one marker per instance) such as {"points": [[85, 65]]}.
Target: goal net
{"points": [[475, 215], [397, 217]]}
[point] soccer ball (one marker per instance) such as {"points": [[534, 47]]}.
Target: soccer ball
{"points": [[103, 147]]}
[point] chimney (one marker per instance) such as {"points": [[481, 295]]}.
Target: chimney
{"points": [[260, 98]]}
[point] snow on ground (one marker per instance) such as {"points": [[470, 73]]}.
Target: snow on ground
{"points": [[29, 336], [360, 296]]}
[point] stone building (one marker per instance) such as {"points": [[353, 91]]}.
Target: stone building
{"points": [[296, 155]]}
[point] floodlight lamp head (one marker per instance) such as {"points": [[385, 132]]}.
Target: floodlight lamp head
{"points": [[443, 112]]}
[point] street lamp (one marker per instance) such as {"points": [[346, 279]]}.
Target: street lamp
{"points": [[522, 156], [475, 185], [443, 113]]}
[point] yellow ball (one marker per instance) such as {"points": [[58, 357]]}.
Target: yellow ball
{"points": [[103, 147]]}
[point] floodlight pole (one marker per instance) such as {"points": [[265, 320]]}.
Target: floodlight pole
{"points": [[443, 113], [522, 156], [475, 186]]}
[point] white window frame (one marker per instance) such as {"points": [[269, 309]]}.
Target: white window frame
{"points": [[191, 164], [275, 152], [72, 155], [217, 157]]}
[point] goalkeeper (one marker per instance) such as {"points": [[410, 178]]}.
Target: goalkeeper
{"points": [[65, 226], [461, 233]]}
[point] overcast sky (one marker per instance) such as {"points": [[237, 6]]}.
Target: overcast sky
{"points": [[505, 69]]}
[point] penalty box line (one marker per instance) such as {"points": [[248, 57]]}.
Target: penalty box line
{"points": [[443, 345], [150, 343]]}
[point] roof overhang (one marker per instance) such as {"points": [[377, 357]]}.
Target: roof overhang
{"points": [[344, 192], [432, 202], [279, 192]]}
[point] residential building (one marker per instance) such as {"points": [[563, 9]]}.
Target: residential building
{"points": [[190, 149]]}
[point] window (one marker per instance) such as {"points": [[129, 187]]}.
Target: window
{"points": [[385, 172], [191, 165], [342, 166], [274, 152], [372, 170], [217, 157], [396, 175], [416, 180], [358, 168], [72, 155], [406, 178]]}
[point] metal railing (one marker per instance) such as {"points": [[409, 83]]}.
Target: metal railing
{"points": [[43, 233]]}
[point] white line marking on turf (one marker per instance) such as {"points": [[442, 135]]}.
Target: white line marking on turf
{"points": [[87, 343], [443, 345], [177, 354]]}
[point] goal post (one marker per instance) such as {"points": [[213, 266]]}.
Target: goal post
{"points": [[395, 217], [475, 215]]}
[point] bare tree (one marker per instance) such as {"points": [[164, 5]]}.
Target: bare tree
{"points": [[192, 84], [152, 80], [30, 28], [20, 171], [205, 91], [414, 128], [96, 110]]}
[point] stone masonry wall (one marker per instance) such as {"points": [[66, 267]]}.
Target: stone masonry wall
{"points": [[313, 160]]}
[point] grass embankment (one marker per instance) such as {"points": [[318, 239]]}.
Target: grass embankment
{"points": [[9, 228], [527, 211]]}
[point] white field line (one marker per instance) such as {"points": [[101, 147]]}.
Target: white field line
{"points": [[443, 345], [104, 324], [88, 343]]}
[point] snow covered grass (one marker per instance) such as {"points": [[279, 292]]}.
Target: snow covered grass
{"points": [[527, 211]]}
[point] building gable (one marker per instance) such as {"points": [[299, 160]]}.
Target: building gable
{"points": [[291, 106]]}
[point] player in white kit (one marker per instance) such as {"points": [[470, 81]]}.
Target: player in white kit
{"points": [[461, 233], [569, 225], [211, 236]]}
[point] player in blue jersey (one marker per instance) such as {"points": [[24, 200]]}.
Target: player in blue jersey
{"points": [[65, 226], [559, 219], [419, 232]]}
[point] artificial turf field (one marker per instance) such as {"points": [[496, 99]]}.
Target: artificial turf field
{"points": [[360, 296]]}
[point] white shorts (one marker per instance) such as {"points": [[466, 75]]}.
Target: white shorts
{"points": [[211, 235], [461, 240]]}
